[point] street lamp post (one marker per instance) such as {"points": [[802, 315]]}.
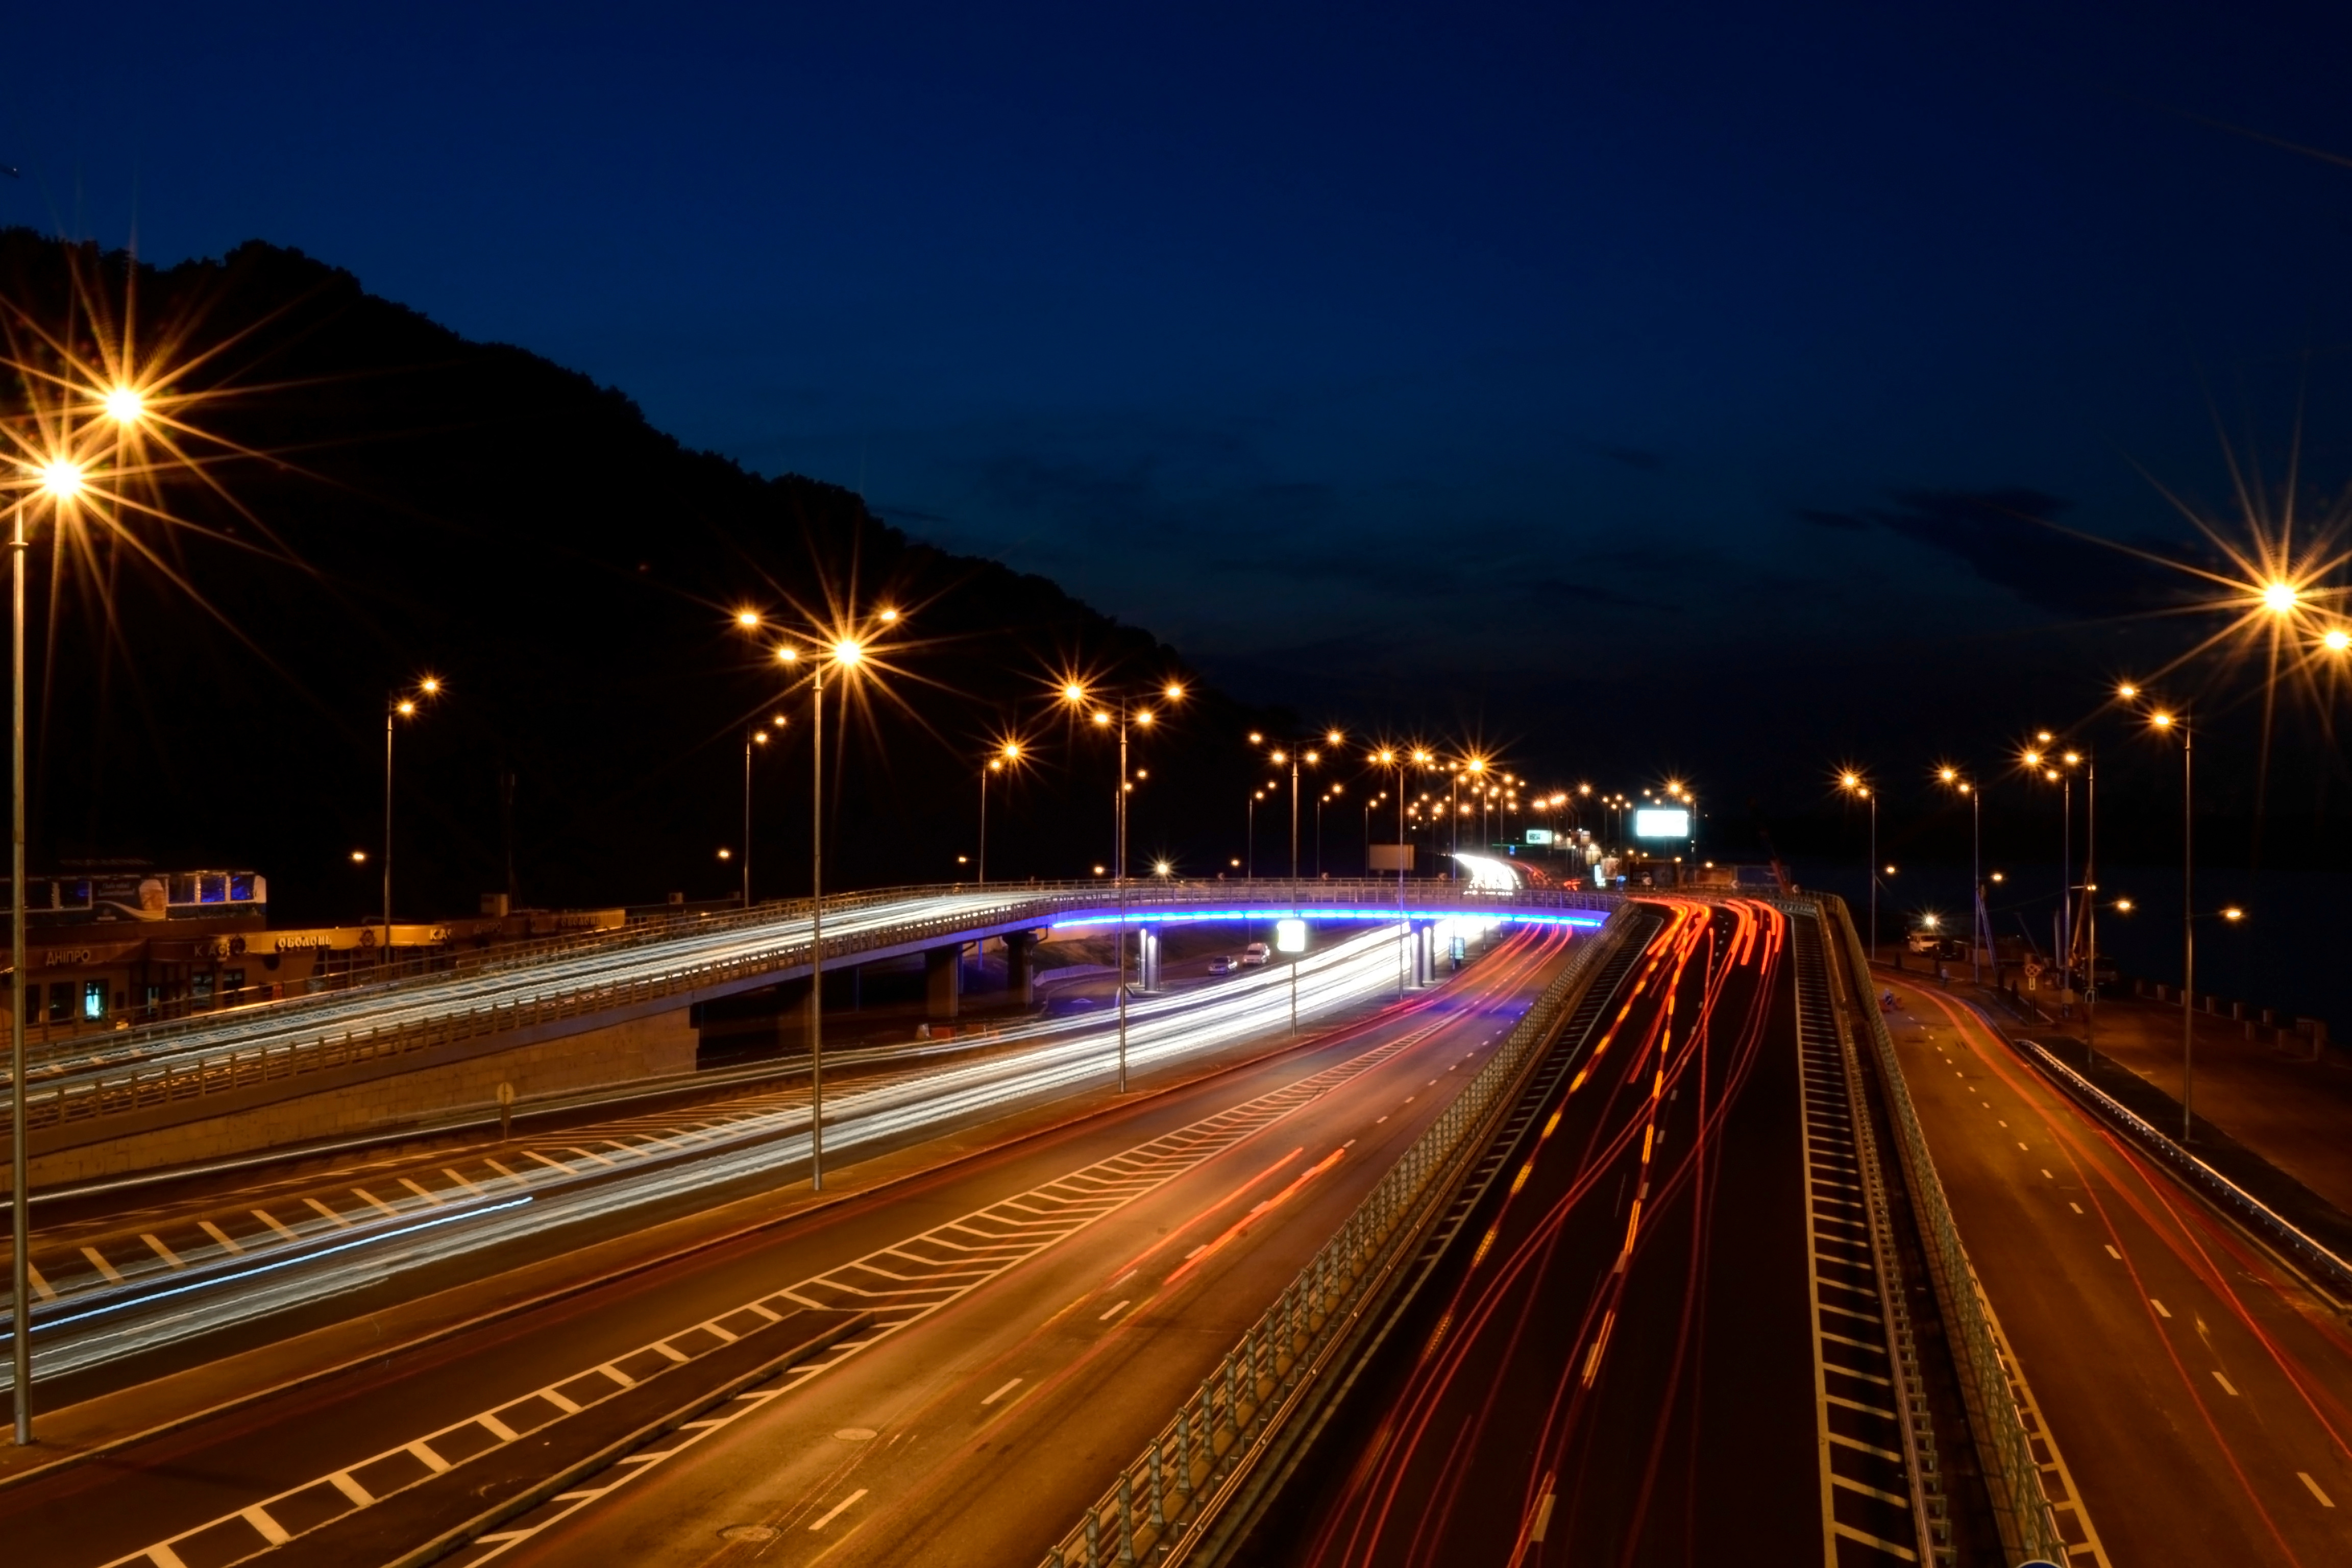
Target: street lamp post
{"points": [[1979, 937], [846, 651], [1851, 784], [1294, 754], [1123, 712], [1007, 755], [751, 738], [2170, 723], [397, 709]]}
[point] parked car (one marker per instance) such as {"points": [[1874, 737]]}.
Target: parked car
{"points": [[1255, 953], [1222, 965]]}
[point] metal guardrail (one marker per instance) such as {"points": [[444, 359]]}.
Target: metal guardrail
{"points": [[2250, 1210], [1188, 1471], [2022, 1511], [118, 1089]]}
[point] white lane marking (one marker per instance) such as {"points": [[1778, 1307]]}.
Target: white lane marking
{"points": [[420, 1192], [428, 1457], [102, 1266], [2114, 1254], [2021, 1148], [1124, 1278], [265, 1217], [359, 1494], [463, 1183], [2159, 1307], [162, 1251], [837, 1509], [2325, 1500], [1117, 1310], [1377, 1123], [368, 1196], [1001, 1391], [2048, 1177], [2078, 1209], [496, 1427], [324, 1210], [217, 1234], [1196, 1252], [2004, 1120], [509, 1175], [40, 1284], [590, 1153], [2225, 1385], [550, 1164], [269, 1529], [1542, 1520]]}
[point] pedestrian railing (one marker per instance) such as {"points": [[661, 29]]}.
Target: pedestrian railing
{"points": [[1163, 1498], [142, 1070], [2011, 1469]]}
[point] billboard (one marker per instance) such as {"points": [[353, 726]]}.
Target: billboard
{"points": [[1660, 822], [1290, 936], [1538, 835]]}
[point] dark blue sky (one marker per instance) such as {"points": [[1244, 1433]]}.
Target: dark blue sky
{"points": [[1443, 338]]}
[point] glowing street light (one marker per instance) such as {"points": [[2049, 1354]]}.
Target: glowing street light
{"points": [[2280, 598], [400, 707], [125, 405], [1851, 783], [1007, 757]]}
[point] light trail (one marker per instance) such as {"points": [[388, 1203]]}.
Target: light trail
{"points": [[1050, 1058]]}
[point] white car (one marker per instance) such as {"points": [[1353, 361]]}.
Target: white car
{"points": [[1255, 954]]}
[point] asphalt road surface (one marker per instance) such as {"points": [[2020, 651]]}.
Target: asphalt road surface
{"points": [[1617, 1365], [1019, 1322], [2198, 1394]]}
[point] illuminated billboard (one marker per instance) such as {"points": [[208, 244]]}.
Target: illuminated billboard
{"points": [[1660, 822], [1538, 835]]}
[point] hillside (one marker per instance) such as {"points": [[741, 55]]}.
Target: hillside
{"points": [[212, 686]]}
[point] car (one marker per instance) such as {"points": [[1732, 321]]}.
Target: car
{"points": [[1222, 965], [1254, 954]]}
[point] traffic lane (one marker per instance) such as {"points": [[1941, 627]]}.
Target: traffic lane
{"points": [[1667, 1434], [1461, 1444], [997, 1422], [2201, 1397], [129, 1356], [98, 1511]]}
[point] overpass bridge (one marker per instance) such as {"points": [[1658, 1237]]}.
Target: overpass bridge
{"points": [[629, 994]]}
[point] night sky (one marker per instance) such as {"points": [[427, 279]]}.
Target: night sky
{"points": [[1445, 357]]}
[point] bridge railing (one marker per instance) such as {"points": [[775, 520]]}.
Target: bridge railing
{"points": [[1162, 1496], [136, 1079], [2012, 1471]]}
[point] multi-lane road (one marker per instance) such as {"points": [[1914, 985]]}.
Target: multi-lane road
{"points": [[2199, 1392], [1662, 1341], [943, 1373]]}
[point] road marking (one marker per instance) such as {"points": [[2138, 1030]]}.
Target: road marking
{"points": [[359, 1494], [2048, 1177], [370, 1197], [38, 1283], [496, 1428], [102, 1266], [1196, 1252], [2114, 1254], [839, 1508], [589, 1154], [1542, 1520], [264, 1526], [2225, 1385], [509, 1175], [2159, 1307], [2005, 1123], [2021, 1148], [1115, 1311], [428, 1457], [162, 1251], [217, 1234], [420, 1192], [463, 1183], [265, 1217], [324, 1210], [550, 1164], [1001, 1391], [2325, 1500], [2078, 1209], [1377, 1123]]}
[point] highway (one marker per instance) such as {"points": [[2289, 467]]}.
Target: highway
{"points": [[1081, 1274], [134, 1282], [2198, 1394], [1659, 1342]]}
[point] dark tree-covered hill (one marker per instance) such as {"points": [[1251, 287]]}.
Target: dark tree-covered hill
{"points": [[376, 497]]}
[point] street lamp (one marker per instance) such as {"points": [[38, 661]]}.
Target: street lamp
{"points": [[1128, 705], [1008, 755], [2169, 724], [1295, 753], [1980, 935], [844, 650], [756, 736], [2057, 767], [396, 708], [1851, 784]]}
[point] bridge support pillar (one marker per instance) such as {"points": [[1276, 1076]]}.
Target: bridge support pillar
{"points": [[1021, 967], [1147, 959], [942, 983]]}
